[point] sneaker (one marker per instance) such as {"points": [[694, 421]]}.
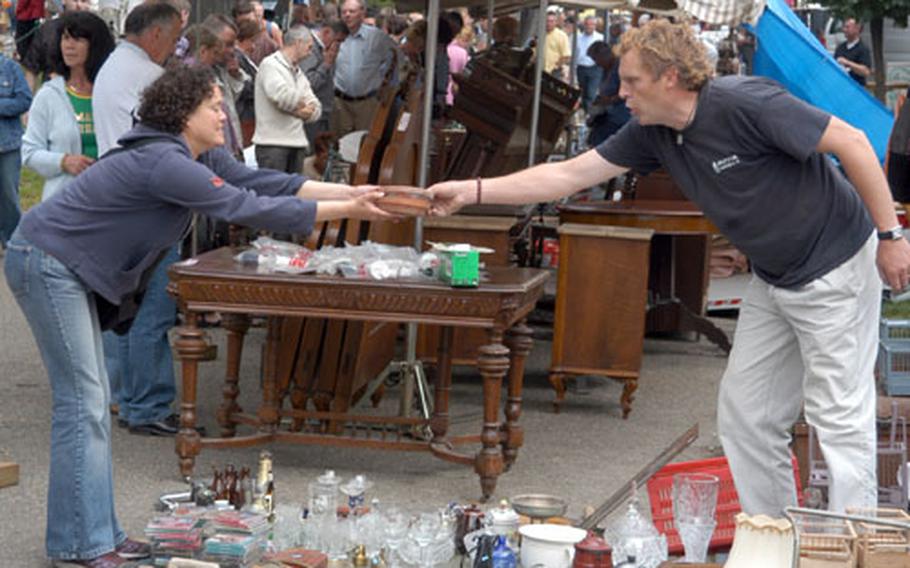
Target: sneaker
{"points": [[109, 560], [133, 549]]}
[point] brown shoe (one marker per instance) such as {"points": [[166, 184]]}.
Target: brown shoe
{"points": [[115, 409], [109, 560]]}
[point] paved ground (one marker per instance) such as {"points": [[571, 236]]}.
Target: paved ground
{"points": [[582, 454]]}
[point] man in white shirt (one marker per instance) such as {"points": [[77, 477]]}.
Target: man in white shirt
{"points": [[152, 31], [364, 61], [589, 73], [284, 100], [139, 365]]}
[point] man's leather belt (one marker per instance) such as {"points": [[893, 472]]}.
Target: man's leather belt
{"points": [[347, 97]]}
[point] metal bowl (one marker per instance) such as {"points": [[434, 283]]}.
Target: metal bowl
{"points": [[539, 506]]}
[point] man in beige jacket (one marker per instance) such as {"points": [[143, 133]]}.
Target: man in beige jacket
{"points": [[284, 100]]}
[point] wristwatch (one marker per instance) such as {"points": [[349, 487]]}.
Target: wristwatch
{"points": [[891, 234]]}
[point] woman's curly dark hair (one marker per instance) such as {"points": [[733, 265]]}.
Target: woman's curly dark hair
{"points": [[168, 102]]}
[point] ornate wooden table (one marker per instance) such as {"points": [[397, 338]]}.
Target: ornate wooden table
{"points": [[214, 282]]}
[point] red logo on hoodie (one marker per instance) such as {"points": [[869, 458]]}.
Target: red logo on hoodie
{"points": [[217, 182]]}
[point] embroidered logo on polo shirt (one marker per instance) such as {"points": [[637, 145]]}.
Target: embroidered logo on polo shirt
{"points": [[217, 182], [725, 163]]}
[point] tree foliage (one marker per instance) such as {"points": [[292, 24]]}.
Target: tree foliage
{"points": [[869, 10]]}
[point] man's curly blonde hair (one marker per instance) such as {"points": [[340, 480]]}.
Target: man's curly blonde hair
{"points": [[662, 45]]}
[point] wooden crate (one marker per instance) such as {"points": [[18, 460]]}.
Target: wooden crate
{"points": [[882, 547], [9, 474], [827, 545]]}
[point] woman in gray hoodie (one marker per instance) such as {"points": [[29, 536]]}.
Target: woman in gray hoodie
{"points": [[93, 244]]}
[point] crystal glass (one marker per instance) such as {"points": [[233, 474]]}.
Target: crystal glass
{"points": [[339, 538], [632, 535], [395, 530], [694, 505], [324, 494], [286, 528], [424, 530]]}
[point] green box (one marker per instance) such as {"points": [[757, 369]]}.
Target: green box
{"points": [[460, 268]]}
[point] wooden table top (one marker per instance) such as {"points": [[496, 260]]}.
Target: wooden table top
{"points": [[664, 216], [214, 281]]}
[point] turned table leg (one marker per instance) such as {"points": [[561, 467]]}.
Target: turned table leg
{"points": [[493, 363], [519, 342], [191, 348], [236, 326], [439, 423], [268, 411]]}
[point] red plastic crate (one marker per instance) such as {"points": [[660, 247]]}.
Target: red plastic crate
{"points": [[660, 494]]}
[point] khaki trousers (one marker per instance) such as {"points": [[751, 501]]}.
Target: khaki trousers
{"points": [[348, 116], [812, 347]]}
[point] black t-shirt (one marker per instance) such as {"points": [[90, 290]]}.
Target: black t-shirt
{"points": [[748, 160], [859, 53]]}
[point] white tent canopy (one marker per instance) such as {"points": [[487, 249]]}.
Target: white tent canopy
{"points": [[730, 12]]}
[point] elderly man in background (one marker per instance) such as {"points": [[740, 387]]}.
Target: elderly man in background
{"points": [[365, 60], [284, 100], [319, 68], [152, 31], [139, 365]]}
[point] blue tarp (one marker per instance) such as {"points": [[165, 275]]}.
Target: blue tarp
{"points": [[790, 54]]}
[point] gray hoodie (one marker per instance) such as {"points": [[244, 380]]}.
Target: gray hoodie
{"points": [[111, 222]]}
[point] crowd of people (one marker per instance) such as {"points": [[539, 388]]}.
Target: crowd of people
{"points": [[135, 135]]}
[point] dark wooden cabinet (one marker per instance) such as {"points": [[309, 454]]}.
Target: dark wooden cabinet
{"points": [[601, 298]]}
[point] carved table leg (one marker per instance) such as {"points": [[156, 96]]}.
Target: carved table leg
{"points": [[191, 348], [628, 395], [519, 342], [439, 424], [493, 363], [558, 382], [268, 411], [236, 326]]}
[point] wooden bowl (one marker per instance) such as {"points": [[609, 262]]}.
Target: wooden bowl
{"points": [[404, 200]]}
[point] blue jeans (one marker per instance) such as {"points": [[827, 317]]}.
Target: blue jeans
{"points": [[81, 522], [589, 79], [10, 164], [140, 364]]}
